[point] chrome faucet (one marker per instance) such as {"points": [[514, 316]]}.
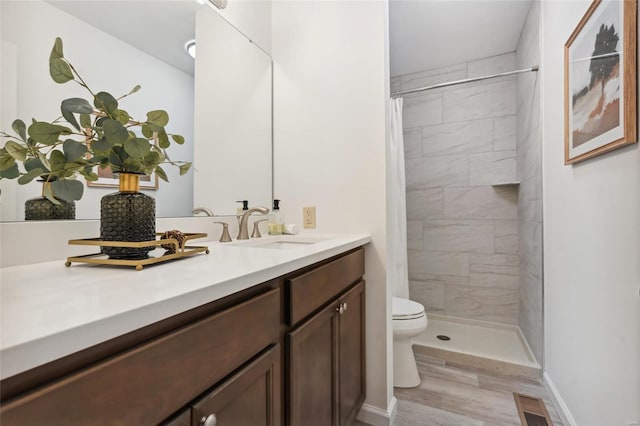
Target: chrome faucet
{"points": [[202, 210], [243, 233]]}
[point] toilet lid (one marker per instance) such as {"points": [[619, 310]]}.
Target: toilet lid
{"points": [[406, 309]]}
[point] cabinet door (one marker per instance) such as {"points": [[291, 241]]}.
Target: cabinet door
{"points": [[250, 397], [351, 349], [312, 364]]}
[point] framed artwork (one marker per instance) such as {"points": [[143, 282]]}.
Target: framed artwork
{"points": [[600, 81], [106, 179]]}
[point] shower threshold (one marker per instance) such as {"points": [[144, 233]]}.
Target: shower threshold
{"points": [[499, 348]]}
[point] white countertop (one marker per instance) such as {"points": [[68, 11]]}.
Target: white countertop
{"points": [[48, 311]]}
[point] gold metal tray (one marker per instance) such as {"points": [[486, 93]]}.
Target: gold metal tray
{"points": [[103, 259]]}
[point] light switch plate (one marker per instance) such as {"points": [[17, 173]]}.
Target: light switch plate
{"points": [[309, 217]]}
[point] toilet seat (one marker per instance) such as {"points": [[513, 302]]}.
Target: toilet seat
{"points": [[405, 309]]}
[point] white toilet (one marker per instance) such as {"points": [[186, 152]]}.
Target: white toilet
{"points": [[409, 320]]}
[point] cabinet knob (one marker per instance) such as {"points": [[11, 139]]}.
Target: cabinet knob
{"points": [[344, 307], [340, 309], [209, 420]]}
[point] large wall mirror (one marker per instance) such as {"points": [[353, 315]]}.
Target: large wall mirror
{"points": [[220, 102]]}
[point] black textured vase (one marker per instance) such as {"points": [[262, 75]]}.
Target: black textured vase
{"points": [[41, 208], [127, 216]]}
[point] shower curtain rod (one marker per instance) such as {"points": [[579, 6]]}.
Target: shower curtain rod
{"points": [[466, 80]]}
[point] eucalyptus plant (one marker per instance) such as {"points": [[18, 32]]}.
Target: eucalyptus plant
{"points": [[87, 135]]}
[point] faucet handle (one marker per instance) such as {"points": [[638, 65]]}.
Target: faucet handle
{"points": [[225, 237], [256, 228]]}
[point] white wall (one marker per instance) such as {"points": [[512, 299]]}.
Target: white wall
{"points": [[591, 256], [108, 64], [331, 94]]}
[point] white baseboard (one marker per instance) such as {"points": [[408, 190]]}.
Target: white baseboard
{"points": [[377, 416], [567, 417]]}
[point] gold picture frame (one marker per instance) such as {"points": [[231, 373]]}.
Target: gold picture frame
{"points": [[600, 81]]}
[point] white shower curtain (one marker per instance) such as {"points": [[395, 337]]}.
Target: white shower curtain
{"points": [[397, 267]]}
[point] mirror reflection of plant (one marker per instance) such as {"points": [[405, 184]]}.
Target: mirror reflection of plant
{"points": [[106, 139]]}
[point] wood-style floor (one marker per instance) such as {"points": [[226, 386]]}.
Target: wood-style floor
{"points": [[455, 395]]}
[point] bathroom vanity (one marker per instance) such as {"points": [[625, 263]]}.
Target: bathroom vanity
{"points": [[278, 339]]}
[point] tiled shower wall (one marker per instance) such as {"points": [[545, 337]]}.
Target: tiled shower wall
{"points": [[460, 145], [529, 168]]}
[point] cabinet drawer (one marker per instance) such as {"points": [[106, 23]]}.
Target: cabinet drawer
{"points": [[312, 290], [250, 398], [148, 383]]}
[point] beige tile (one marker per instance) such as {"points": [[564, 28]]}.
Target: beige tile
{"points": [[425, 204], [506, 237], [425, 264], [446, 170], [483, 303], [481, 101], [458, 138], [459, 235], [484, 202], [494, 270], [412, 139], [414, 235], [421, 110], [492, 168], [429, 293], [504, 133]]}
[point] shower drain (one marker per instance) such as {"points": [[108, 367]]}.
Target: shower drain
{"points": [[443, 337]]}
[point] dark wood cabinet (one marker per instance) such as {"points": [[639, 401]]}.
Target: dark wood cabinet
{"points": [[326, 368], [287, 351], [250, 397]]}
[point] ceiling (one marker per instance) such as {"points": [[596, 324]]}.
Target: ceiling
{"points": [[426, 34], [159, 28]]}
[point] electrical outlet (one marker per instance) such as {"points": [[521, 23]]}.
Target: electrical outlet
{"points": [[309, 217]]}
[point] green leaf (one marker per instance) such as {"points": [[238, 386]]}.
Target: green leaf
{"points": [[35, 163], [123, 117], [6, 162], [67, 189], [134, 90], [117, 157], [161, 174], [85, 121], [56, 51], [73, 149], [89, 174], [11, 173], [57, 161], [147, 132], [16, 150], [163, 139], [106, 103], [101, 145], [75, 105], [60, 71], [132, 165], [179, 139], [115, 132], [43, 159], [20, 128], [47, 133], [158, 117], [29, 176], [184, 168], [137, 148]]}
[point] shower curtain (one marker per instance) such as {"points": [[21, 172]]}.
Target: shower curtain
{"points": [[397, 267]]}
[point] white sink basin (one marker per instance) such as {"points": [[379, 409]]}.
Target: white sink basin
{"points": [[279, 243]]}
